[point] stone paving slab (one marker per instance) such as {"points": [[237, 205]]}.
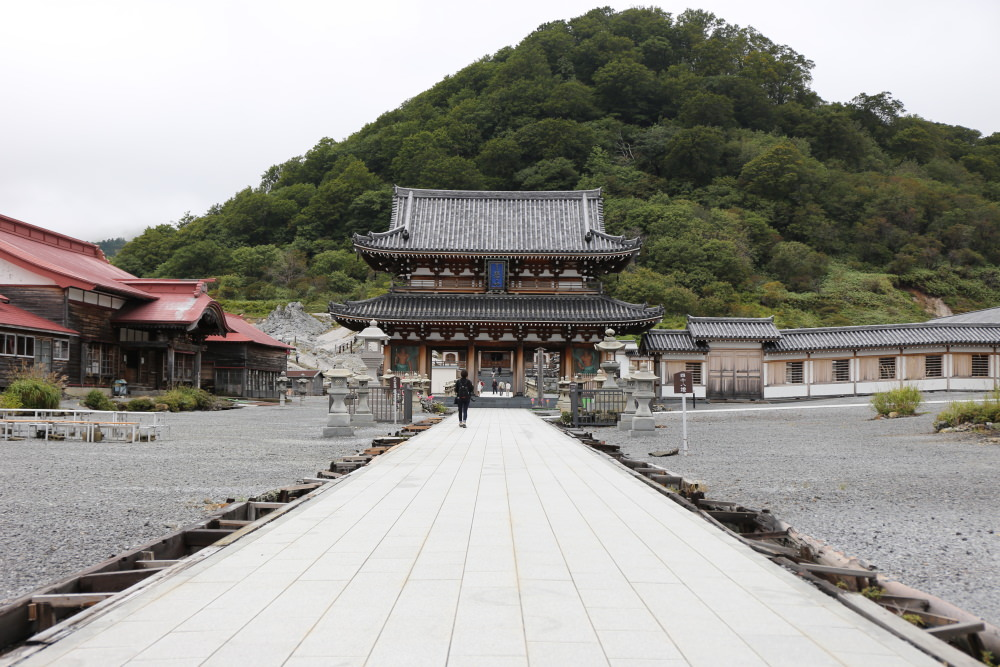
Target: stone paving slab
{"points": [[506, 543]]}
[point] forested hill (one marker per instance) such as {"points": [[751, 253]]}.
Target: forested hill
{"points": [[754, 196]]}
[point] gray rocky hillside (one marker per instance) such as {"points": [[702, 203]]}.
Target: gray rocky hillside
{"points": [[319, 342]]}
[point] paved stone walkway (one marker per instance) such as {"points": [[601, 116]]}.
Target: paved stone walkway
{"points": [[506, 543]]}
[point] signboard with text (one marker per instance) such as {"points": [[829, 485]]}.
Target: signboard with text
{"points": [[684, 382]]}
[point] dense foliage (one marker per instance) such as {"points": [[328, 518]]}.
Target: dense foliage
{"points": [[754, 196], [110, 247]]}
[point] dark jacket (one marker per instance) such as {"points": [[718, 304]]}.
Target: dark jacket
{"points": [[467, 384]]}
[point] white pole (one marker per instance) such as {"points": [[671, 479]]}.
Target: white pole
{"points": [[684, 424]]}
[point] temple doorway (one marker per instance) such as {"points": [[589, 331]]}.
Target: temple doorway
{"points": [[497, 366], [446, 364]]}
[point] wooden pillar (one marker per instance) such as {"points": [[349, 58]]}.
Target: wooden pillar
{"points": [[472, 362], [170, 367], [519, 365], [197, 368]]}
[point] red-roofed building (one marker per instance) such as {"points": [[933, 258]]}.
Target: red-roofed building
{"points": [[25, 338], [244, 363], [150, 333]]}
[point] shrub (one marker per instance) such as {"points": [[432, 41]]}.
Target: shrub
{"points": [[35, 393], [185, 399], [9, 402], [141, 404], [971, 412], [902, 401], [96, 400]]}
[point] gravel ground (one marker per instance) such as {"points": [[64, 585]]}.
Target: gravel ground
{"points": [[922, 507], [68, 505]]}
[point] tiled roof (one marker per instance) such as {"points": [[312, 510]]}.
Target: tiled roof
{"points": [[671, 340], [12, 316], [888, 335], [66, 261], [244, 332], [984, 316], [179, 303], [542, 309], [485, 222], [733, 328]]}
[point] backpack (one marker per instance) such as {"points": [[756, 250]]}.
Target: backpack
{"points": [[462, 389]]}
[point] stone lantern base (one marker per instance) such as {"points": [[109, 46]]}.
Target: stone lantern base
{"points": [[338, 426], [642, 425]]}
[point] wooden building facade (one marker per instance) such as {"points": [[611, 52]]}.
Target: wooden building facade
{"points": [[148, 332], [484, 280], [245, 363]]}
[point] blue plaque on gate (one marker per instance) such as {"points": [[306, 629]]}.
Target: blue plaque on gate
{"points": [[496, 271]]}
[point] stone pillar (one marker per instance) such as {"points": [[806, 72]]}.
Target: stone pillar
{"points": [[338, 420], [363, 413], [625, 423], [563, 404], [643, 422], [415, 395]]}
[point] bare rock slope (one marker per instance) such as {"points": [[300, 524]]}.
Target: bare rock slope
{"points": [[319, 342]]}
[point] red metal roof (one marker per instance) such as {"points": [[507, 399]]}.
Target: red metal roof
{"points": [[179, 303], [244, 332], [66, 261], [12, 316]]}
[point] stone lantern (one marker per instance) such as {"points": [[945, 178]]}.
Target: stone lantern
{"points": [[609, 348], [373, 341], [282, 382], [643, 420], [303, 383], [338, 420], [363, 412], [625, 419]]}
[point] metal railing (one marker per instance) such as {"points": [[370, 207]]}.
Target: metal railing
{"points": [[596, 407], [388, 404]]}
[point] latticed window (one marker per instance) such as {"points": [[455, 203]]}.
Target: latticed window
{"points": [[841, 370], [980, 365], [932, 366], [694, 368], [794, 372], [887, 368]]}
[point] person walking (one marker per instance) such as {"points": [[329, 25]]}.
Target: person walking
{"points": [[463, 396]]}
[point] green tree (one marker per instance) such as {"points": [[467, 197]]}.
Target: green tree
{"points": [[202, 259], [797, 265], [255, 261], [144, 253]]}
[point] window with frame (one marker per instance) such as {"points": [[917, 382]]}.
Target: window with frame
{"points": [[980, 365], [794, 372], [694, 368], [60, 350], [933, 366], [841, 370], [15, 345], [887, 368]]}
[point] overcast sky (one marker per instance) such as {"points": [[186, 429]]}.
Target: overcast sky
{"points": [[117, 115]]}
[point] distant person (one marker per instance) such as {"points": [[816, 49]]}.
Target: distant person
{"points": [[482, 385], [496, 385], [463, 396]]}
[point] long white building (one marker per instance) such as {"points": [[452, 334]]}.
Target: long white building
{"points": [[751, 359]]}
